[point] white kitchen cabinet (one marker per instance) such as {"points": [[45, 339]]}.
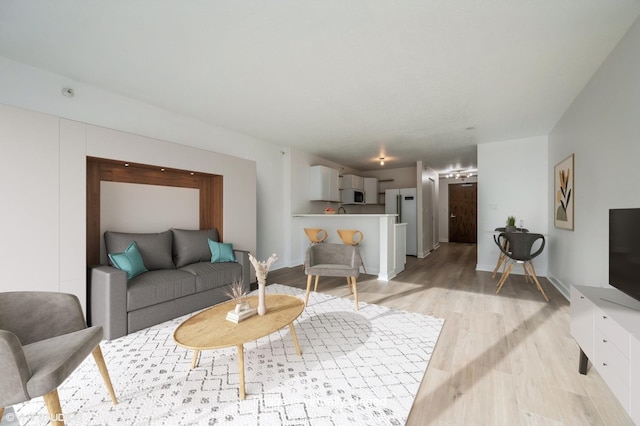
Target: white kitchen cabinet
{"points": [[634, 379], [371, 190], [582, 323], [352, 182], [606, 324], [323, 184]]}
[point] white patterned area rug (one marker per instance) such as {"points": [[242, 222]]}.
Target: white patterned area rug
{"points": [[357, 367]]}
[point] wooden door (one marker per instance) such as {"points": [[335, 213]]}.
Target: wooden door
{"points": [[463, 213]]}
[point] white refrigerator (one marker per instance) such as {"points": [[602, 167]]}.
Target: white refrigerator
{"points": [[403, 202]]}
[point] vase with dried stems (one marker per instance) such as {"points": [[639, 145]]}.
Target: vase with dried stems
{"points": [[262, 269], [237, 292]]}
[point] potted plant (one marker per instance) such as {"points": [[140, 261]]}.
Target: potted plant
{"points": [[511, 224]]}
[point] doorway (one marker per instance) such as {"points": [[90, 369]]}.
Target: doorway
{"points": [[463, 213]]}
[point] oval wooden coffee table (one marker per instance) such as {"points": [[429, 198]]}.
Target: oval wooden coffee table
{"points": [[209, 329]]}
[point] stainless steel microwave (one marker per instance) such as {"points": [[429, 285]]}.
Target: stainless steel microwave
{"points": [[352, 196]]}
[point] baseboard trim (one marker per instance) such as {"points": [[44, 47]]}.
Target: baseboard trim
{"points": [[387, 277], [562, 287]]}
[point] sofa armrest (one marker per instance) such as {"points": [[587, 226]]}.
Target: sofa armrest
{"points": [[242, 256], [109, 300]]}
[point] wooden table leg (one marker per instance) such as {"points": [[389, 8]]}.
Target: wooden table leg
{"points": [[354, 285], [241, 370], [195, 359], [295, 339], [306, 299]]}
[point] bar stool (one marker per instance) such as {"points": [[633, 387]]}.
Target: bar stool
{"points": [[352, 237], [316, 235]]}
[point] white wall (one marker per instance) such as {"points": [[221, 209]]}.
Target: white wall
{"points": [[43, 175], [402, 177], [133, 207], [281, 173], [239, 182], [37, 90], [31, 221], [443, 204], [602, 129], [514, 182], [428, 212]]}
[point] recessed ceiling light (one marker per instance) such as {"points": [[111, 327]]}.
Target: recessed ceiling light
{"points": [[382, 161]]}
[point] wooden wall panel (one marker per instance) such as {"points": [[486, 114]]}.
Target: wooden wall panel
{"points": [[216, 205], [93, 213], [210, 187]]}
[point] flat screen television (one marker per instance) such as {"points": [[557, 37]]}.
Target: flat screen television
{"points": [[624, 251]]}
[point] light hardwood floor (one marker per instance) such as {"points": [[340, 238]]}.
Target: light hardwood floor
{"points": [[503, 359]]}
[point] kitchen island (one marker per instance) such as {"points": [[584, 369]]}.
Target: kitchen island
{"points": [[378, 248]]}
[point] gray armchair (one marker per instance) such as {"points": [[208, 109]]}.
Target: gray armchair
{"points": [[333, 260], [43, 339]]}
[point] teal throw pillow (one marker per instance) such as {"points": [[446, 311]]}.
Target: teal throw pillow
{"points": [[130, 261], [221, 252]]}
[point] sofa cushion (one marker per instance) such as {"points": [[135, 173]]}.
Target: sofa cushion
{"points": [[155, 287], [213, 275], [221, 252], [154, 248], [190, 246], [129, 261]]}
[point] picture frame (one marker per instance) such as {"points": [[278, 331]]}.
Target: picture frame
{"points": [[563, 211]]}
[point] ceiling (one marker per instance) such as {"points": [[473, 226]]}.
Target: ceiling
{"points": [[347, 80]]}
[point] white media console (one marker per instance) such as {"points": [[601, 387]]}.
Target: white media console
{"points": [[606, 324]]}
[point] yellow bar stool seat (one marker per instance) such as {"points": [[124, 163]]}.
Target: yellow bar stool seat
{"points": [[316, 235], [352, 237]]}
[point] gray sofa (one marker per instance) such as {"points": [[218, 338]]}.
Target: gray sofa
{"points": [[180, 279]]}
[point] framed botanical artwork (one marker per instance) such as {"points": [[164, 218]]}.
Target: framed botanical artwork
{"points": [[563, 194]]}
